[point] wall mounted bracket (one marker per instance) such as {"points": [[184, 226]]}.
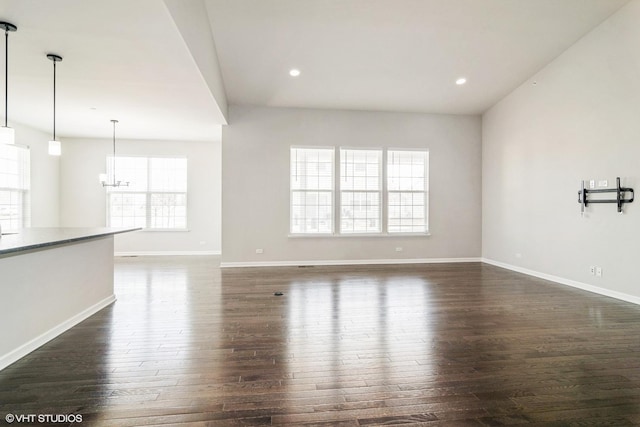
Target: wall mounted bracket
{"points": [[583, 196]]}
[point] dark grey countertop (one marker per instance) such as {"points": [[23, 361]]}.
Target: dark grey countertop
{"points": [[37, 238]]}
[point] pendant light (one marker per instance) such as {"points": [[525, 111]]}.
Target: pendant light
{"points": [[55, 148], [7, 134], [103, 177]]}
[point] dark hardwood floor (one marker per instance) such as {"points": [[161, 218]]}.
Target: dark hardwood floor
{"points": [[442, 344]]}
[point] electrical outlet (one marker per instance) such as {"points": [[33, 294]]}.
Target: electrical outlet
{"points": [[592, 183], [259, 251], [603, 183], [592, 270], [599, 271], [399, 249]]}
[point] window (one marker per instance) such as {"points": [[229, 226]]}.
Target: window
{"points": [[379, 191], [156, 197], [312, 190], [14, 186], [360, 191], [407, 188]]}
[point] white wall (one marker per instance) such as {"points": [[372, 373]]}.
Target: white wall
{"points": [[45, 206], [580, 121], [255, 196], [46, 292], [192, 21], [83, 200]]}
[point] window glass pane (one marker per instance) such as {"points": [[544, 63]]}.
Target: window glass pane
{"points": [[127, 209], [359, 212], [360, 169], [168, 210], [311, 169], [311, 183], [407, 170], [14, 187], [407, 183], [312, 212], [156, 196], [127, 169], [168, 174], [360, 185], [406, 212]]}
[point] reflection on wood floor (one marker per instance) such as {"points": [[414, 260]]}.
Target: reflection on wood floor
{"points": [[441, 344]]}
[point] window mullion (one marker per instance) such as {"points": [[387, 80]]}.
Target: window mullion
{"points": [[337, 196], [108, 212], [148, 209], [384, 210], [426, 191], [149, 177]]}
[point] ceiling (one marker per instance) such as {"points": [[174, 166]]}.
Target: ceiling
{"points": [[392, 55], [129, 60], [122, 59]]}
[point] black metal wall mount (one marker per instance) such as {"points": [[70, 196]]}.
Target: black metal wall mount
{"points": [[583, 196]]}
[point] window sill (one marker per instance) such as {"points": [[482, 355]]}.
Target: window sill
{"points": [[349, 235]]}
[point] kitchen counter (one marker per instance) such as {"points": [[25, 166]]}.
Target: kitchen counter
{"points": [[38, 238], [51, 279]]}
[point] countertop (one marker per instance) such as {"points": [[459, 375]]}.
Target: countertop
{"points": [[37, 238]]}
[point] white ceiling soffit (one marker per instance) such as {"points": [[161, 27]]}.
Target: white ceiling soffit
{"points": [[192, 21], [122, 60], [392, 55]]}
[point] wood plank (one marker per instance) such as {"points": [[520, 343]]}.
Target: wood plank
{"points": [[451, 344]]}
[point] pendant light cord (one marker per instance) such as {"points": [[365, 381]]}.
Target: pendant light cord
{"points": [[114, 151], [7, 28], [54, 58], [6, 76], [54, 100]]}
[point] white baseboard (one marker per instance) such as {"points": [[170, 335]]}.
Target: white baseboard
{"points": [[345, 262], [28, 347], [561, 280], [166, 253]]}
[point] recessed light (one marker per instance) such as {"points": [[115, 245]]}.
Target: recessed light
{"points": [[461, 81], [294, 72]]}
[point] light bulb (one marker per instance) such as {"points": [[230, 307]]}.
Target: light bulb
{"points": [[55, 148]]}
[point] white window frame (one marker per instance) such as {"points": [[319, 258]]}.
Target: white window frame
{"points": [[424, 192], [149, 193], [331, 192], [341, 178], [21, 191], [384, 196]]}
